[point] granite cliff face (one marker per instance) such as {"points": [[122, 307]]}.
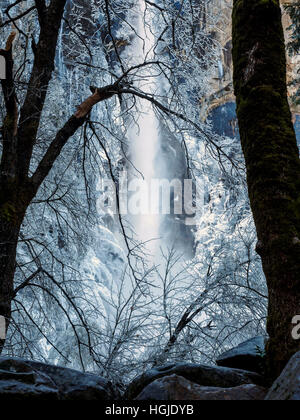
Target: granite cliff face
{"points": [[222, 99]]}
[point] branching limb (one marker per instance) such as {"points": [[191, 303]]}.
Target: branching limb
{"points": [[27, 281], [69, 129], [41, 75], [16, 18]]}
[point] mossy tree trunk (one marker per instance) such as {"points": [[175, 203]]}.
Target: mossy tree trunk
{"points": [[273, 166]]}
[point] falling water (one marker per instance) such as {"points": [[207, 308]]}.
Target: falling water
{"points": [[155, 154], [144, 138]]}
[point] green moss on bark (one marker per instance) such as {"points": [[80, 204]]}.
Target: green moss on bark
{"points": [[272, 160], [8, 212]]}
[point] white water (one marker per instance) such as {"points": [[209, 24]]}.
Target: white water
{"points": [[144, 137]]}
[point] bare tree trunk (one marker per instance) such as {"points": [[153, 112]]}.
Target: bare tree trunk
{"points": [[8, 246], [273, 167], [16, 189], [13, 204]]}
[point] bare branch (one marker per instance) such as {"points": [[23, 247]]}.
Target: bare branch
{"points": [[26, 282]]}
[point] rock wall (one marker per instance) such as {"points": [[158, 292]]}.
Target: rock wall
{"points": [[222, 82]]}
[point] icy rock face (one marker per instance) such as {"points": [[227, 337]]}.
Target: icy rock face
{"points": [[27, 380], [103, 267], [224, 120], [107, 260], [222, 81], [175, 387], [222, 99], [287, 386], [206, 376], [247, 356]]}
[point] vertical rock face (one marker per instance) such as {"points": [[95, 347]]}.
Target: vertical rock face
{"points": [[220, 13], [222, 82], [171, 164]]}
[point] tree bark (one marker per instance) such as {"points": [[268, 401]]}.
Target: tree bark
{"points": [[14, 200], [8, 245], [272, 161], [16, 189], [41, 74]]}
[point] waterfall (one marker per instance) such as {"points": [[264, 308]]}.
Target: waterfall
{"points": [[155, 153], [144, 140]]}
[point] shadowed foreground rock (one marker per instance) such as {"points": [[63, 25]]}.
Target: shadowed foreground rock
{"points": [[177, 388], [247, 356], [27, 380], [206, 376], [287, 386]]}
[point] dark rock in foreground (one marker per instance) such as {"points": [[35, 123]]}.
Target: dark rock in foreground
{"points": [[247, 356], [177, 388], [27, 380], [18, 381], [287, 386], [206, 376]]}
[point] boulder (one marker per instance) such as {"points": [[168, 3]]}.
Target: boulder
{"points": [[18, 381], [23, 379], [287, 386], [247, 356], [208, 376], [174, 388]]}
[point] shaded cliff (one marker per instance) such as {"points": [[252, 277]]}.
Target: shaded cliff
{"points": [[220, 106]]}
